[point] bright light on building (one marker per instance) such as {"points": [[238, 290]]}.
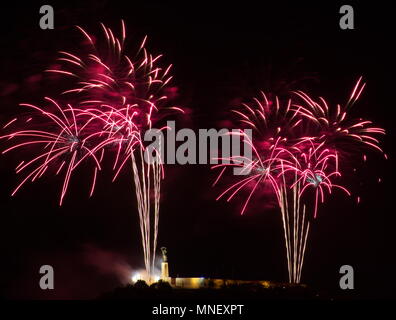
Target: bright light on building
{"points": [[136, 277]]}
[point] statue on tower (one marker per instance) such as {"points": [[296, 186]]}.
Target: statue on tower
{"points": [[164, 265], [164, 256]]}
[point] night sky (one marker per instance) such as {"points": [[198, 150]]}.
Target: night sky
{"points": [[221, 53]]}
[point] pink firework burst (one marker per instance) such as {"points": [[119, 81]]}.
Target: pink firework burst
{"points": [[262, 169], [103, 74], [316, 167], [270, 119], [276, 126], [336, 125], [62, 140]]}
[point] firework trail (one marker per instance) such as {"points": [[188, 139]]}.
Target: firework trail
{"points": [[296, 152], [125, 138], [277, 126], [315, 167], [296, 229]]}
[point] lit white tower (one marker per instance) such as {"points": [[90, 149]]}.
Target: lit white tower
{"points": [[164, 265]]}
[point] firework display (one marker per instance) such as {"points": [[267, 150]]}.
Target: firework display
{"points": [[112, 100], [247, 143], [296, 151]]}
